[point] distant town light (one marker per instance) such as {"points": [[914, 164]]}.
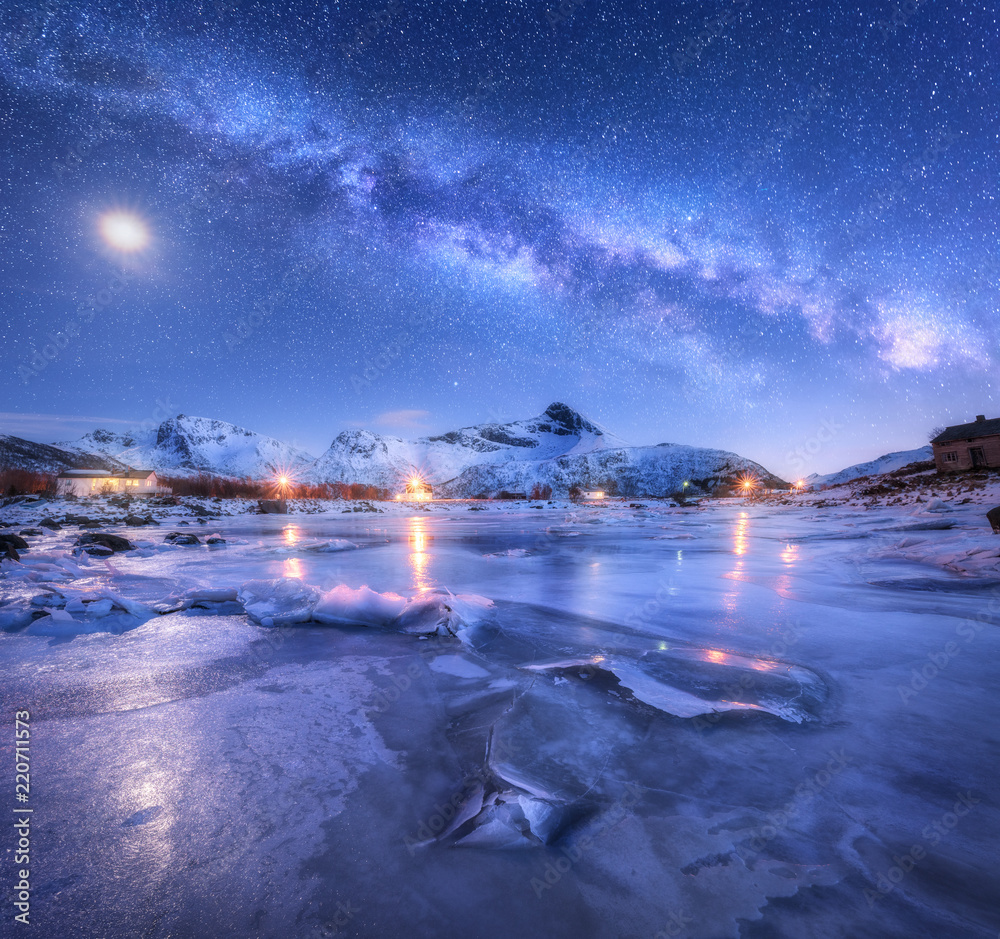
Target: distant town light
{"points": [[418, 490]]}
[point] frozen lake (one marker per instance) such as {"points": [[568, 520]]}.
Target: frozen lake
{"points": [[725, 722]]}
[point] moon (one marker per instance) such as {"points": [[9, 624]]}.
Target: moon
{"points": [[124, 232]]}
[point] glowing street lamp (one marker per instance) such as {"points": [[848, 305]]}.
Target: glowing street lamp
{"points": [[282, 483], [417, 489]]}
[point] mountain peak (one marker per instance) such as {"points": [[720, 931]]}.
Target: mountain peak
{"points": [[565, 416]]}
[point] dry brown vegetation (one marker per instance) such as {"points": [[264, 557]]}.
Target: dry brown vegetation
{"points": [[222, 487], [19, 482]]}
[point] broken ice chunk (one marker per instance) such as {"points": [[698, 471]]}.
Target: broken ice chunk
{"points": [[221, 600], [443, 613], [278, 602], [363, 607]]}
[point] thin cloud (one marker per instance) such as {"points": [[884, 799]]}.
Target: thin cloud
{"points": [[51, 426], [411, 419]]}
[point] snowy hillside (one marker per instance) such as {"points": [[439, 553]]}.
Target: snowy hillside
{"points": [[186, 445], [374, 459], [15, 452], [629, 471], [883, 464]]}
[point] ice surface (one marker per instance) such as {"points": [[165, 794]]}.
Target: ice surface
{"points": [[735, 728], [457, 665]]}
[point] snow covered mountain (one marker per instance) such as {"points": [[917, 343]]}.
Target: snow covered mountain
{"points": [[374, 459], [18, 453], [883, 464], [560, 448], [186, 445], [626, 471]]}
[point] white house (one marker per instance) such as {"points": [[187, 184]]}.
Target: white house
{"points": [[92, 482], [593, 494]]}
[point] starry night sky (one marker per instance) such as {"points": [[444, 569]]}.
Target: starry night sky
{"points": [[755, 226]]}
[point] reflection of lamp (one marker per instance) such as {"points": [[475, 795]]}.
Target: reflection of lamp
{"points": [[740, 538], [418, 554]]}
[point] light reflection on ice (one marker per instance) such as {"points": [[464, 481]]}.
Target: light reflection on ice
{"points": [[419, 558], [740, 535]]}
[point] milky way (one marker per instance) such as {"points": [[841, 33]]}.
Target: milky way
{"points": [[729, 224]]}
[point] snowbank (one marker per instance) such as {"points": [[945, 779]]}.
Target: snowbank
{"points": [[288, 601]]}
